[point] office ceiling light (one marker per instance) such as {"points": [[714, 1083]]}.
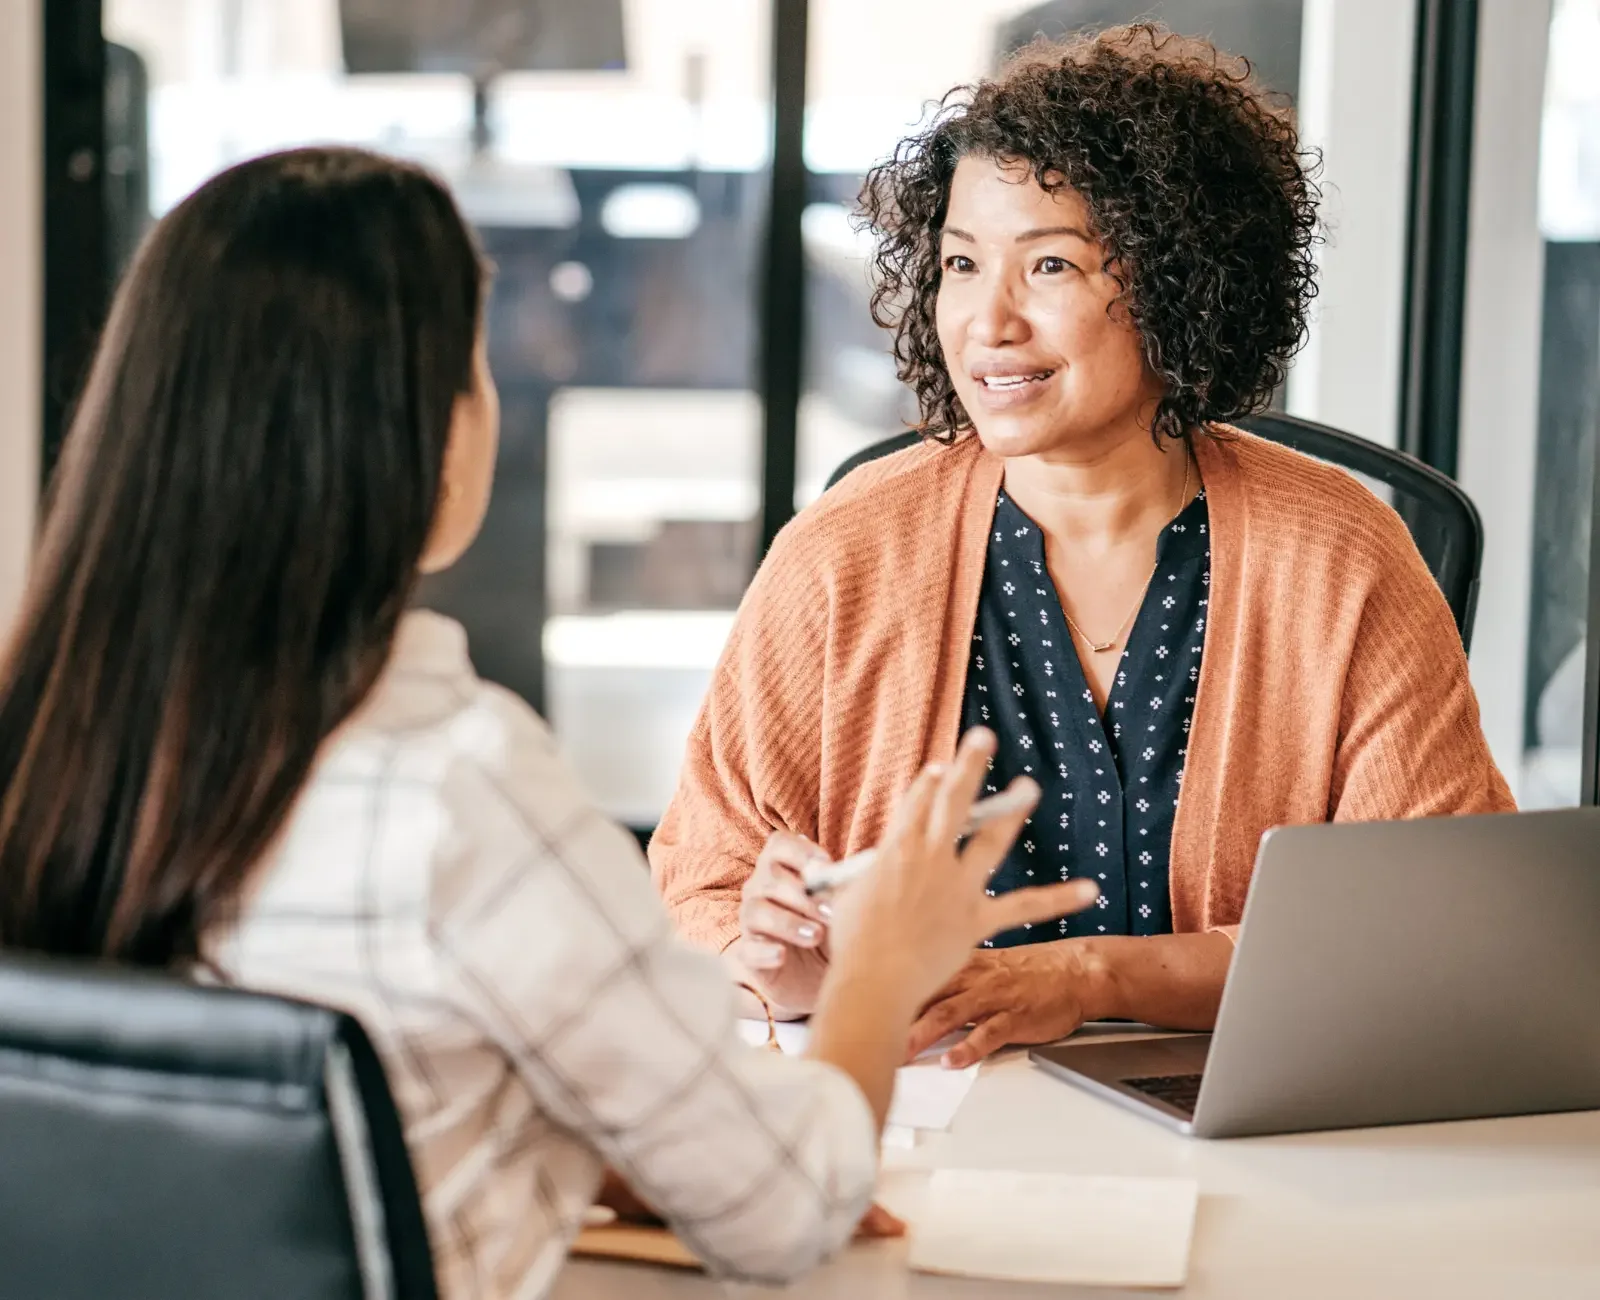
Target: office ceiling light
{"points": [[650, 211], [571, 281]]}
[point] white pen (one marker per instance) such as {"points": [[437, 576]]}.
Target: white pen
{"points": [[832, 875]]}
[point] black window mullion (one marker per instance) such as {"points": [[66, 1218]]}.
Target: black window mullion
{"points": [[76, 272], [1436, 261], [782, 314]]}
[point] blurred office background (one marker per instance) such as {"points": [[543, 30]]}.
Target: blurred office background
{"points": [[679, 325]]}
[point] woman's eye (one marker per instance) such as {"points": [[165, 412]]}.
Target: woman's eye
{"points": [[1054, 265], [956, 262]]}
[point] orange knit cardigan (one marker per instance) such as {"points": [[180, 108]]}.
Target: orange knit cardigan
{"points": [[1332, 687]]}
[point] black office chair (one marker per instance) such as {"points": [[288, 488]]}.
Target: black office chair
{"points": [[159, 1139], [1442, 519]]}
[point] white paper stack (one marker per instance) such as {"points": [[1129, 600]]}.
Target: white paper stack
{"points": [[1056, 1228]]}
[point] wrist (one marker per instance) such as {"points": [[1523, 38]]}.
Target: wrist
{"points": [[862, 1025], [758, 988], [892, 987], [1096, 977]]}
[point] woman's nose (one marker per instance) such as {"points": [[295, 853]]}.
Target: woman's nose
{"points": [[995, 319]]}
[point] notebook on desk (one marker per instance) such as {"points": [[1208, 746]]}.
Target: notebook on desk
{"points": [[637, 1243], [1061, 1229]]}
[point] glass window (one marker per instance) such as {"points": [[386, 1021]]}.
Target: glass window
{"points": [[873, 70], [611, 154], [1569, 407]]}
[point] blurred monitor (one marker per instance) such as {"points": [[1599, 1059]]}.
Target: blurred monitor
{"points": [[481, 38], [1267, 32]]}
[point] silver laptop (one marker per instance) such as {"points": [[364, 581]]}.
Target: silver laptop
{"points": [[1389, 973]]}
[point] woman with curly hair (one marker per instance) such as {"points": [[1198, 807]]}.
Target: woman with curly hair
{"points": [[1090, 264]]}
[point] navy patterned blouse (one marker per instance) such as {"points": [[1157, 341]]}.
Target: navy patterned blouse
{"points": [[1110, 785]]}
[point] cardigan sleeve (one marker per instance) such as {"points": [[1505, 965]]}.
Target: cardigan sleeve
{"points": [[1410, 741], [753, 760]]}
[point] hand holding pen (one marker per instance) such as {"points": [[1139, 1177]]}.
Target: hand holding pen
{"points": [[823, 877], [785, 915]]}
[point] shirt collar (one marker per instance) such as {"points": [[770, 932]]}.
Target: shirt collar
{"points": [[1187, 537]]}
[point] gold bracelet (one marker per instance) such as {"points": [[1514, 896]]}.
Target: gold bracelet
{"points": [[772, 1044]]}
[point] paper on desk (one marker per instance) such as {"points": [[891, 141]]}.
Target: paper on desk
{"points": [[926, 1095], [1058, 1228]]}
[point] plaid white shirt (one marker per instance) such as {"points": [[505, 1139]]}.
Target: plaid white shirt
{"points": [[444, 879]]}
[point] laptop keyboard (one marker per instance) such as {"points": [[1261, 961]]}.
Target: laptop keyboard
{"points": [[1178, 1090]]}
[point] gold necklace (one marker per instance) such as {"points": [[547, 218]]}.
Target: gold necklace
{"points": [[1101, 647]]}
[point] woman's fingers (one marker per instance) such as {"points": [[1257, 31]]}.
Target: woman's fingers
{"points": [[987, 1036], [940, 1019], [761, 954], [775, 905], [786, 850], [785, 889], [617, 1196], [990, 842], [1031, 906], [878, 1222], [909, 822], [762, 919], [959, 787]]}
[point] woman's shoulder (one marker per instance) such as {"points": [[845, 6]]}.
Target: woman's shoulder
{"points": [[884, 507], [854, 563], [1309, 511], [884, 519], [430, 718], [436, 735]]}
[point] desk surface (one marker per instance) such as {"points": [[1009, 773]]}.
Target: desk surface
{"points": [[1490, 1210]]}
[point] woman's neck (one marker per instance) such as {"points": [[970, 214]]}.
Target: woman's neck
{"points": [[1101, 498]]}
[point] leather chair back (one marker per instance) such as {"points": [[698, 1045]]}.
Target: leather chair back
{"points": [[160, 1139]]}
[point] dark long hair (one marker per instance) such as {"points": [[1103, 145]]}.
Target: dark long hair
{"points": [[234, 532]]}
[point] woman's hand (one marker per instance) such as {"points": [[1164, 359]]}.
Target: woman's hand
{"points": [[1033, 994], [617, 1196], [923, 907], [782, 948], [912, 920], [878, 1222]]}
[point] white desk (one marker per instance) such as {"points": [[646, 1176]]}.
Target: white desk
{"points": [[1493, 1210]]}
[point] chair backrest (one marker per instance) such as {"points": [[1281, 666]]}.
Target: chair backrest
{"points": [[161, 1139], [1443, 521]]}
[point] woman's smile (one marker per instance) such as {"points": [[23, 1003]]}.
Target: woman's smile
{"points": [[1007, 388]]}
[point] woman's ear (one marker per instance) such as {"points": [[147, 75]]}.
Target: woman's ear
{"points": [[467, 476]]}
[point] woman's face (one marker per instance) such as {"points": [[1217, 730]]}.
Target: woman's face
{"points": [[468, 467], [1040, 352]]}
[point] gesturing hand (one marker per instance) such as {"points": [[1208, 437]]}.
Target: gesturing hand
{"points": [[922, 908], [1032, 994]]}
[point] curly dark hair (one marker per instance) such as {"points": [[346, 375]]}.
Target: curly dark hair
{"points": [[1196, 185]]}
